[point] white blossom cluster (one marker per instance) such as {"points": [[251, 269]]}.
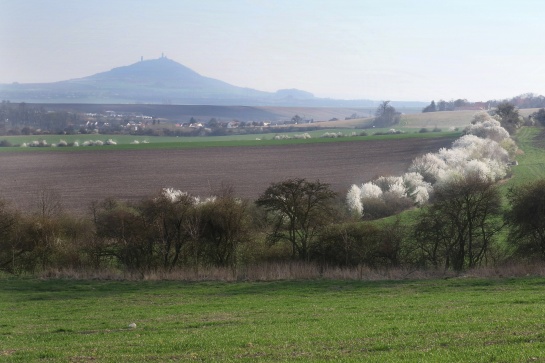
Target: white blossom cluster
{"points": [[332, 135], [175, 195], [64, 143], [306, 135], [485, 152], [35, 143]]}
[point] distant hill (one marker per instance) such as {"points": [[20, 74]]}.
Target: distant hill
{"points": [[164, 81]]}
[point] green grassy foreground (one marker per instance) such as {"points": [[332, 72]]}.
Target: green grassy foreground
{"points": [[461, 319]]}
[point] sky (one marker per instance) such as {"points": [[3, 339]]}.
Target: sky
{"points": [[400, 50]]}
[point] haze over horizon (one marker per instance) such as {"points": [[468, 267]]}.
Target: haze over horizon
{"points": [[393, 49]]}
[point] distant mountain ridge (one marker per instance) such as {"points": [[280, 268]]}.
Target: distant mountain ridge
{"points": [[164, 81]]}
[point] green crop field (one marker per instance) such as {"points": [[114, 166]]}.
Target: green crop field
{"points": [[531, 162], [129, 142], [455, 320]]}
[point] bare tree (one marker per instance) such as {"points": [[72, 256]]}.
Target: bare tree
{"points": [[526, 218], [510, 118], [224, 226], [169, 222], [386, 115], [459, 228], [299, 210], [48, 202]]}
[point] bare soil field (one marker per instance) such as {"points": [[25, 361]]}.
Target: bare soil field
{"points": [[81, 177]]}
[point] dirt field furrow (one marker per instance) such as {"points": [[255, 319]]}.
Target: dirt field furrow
{"points": [[81, 177]]}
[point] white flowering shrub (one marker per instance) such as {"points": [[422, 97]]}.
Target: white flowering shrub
{"points": [[398, 189], [481, 116], [36, 143], [430, 166], [332, 135], [420, 195], [173, 195], [479, 170], [455, 157], [416, 188], [176, 195], [370, 190], [477, 148], [306, 135], [98, 142], [489, 129], [353, 200], [207, 200]]}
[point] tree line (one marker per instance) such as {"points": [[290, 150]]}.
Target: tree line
{"points": [[527, 100], [466, 225]]}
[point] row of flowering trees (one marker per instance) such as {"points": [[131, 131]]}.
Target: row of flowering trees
{"points": [[484, 152]]}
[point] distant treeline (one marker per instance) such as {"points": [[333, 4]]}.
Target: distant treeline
{"points": [[527, 100], [22, 119]]}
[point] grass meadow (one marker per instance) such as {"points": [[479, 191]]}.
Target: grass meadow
{"points": [[441, 320], [531, 161]]}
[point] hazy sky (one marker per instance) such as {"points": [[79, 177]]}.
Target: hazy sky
{"points": [[351, 49]]}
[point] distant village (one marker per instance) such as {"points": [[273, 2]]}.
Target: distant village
{"points": [[25, 119], [134, 123]]}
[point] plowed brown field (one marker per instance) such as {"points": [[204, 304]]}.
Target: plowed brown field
{"points": [[83, 176]]}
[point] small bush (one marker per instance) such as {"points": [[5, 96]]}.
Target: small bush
{"points": [[423, 130], [346, 245], [389, 132], [388, 205], [5, 143]]}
